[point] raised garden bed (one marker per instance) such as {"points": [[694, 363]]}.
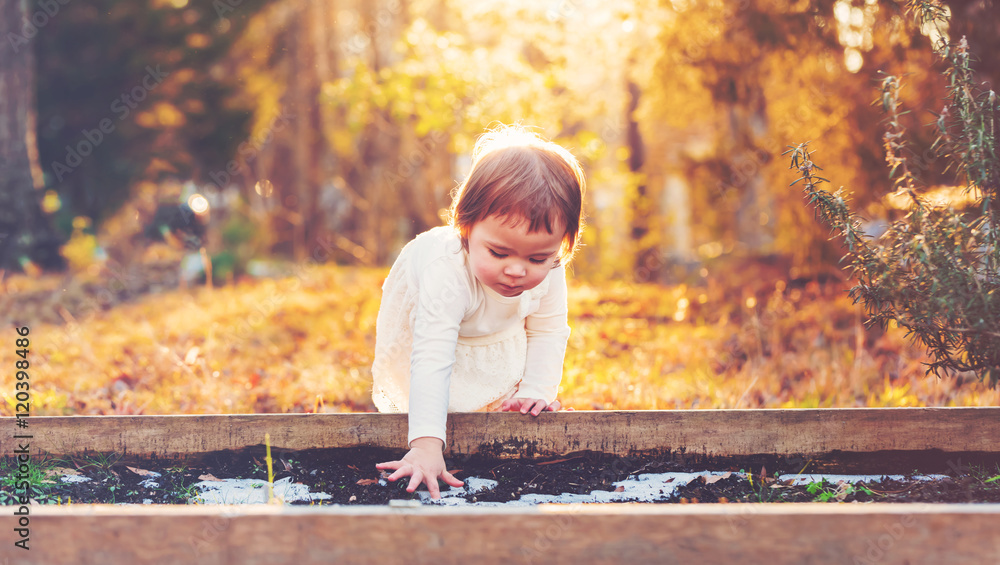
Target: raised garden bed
{"points": [[528, 458], [348, 476]]}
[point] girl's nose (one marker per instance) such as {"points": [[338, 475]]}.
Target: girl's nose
{"points": [[514, 270]]}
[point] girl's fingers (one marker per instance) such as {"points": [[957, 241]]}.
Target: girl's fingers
{"points": [[400, 473], [389, 465], [415, 481], [537, 407], [434, 489], [510, 404], [451, 480], [525, 405]]}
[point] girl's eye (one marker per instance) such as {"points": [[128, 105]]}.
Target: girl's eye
{"points": [[497, 255], [538, 261]]}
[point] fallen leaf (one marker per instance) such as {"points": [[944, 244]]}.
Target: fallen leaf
{"points": [[141, 472], [557, 461], [209, 477], [723, 500], [620, 489], [714, 478], [364, 482], [353, 467], [60, 471], [285, 463], [670, 480], [455, 471]]}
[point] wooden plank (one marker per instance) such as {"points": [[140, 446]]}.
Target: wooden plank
{"points": [[588, 533], [704, 433]]}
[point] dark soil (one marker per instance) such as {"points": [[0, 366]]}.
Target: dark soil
{"points": [[738, 488], [350, 477]]}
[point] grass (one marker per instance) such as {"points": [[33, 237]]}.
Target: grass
{"points": [[761, 487], [304, 343], [983, 474], [102, 462], [44, 487]]}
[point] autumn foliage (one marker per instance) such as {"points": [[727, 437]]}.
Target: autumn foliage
{"points": [[304, 343]]}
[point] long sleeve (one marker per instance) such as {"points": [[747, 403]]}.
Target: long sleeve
{"points": [[442, 302], [547, 330]]}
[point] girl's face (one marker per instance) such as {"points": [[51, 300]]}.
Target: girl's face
{"points": [[508, 259]]}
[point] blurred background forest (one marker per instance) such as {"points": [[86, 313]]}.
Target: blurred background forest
{"points": [[199, 199]]}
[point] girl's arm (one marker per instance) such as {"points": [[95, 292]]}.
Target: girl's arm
{"points": [[442, 301], [547, 331]]}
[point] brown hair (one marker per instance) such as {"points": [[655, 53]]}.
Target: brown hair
{"points": [[517, 174]]}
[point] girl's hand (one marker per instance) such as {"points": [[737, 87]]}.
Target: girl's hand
{"points": [[536, 406], [424, 463]]}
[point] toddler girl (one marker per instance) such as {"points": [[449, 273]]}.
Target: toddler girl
{"points": [[473, 314]]}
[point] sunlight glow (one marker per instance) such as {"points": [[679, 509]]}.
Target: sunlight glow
{"points": [[935, 197], [855, 31], [198, 203], [264, 188], [51, 202], [853, 59]]}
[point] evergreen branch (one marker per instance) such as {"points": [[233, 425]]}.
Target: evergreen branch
{"points": [[934, 273]]}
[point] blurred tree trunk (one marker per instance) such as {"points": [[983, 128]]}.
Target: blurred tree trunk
{"points": [[646, 264], [25, 232], [380, 204], [744, 99], [305, 102], [324, 31], [676, 209]]}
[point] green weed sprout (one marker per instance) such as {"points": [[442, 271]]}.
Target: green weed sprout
{"points": [[270, 471]]}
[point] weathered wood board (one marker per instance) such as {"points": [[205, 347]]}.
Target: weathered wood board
{"points": [[577, 534], [597, 533], [946, 432]]}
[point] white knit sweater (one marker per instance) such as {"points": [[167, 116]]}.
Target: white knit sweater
{"points": [[446, 343]]}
